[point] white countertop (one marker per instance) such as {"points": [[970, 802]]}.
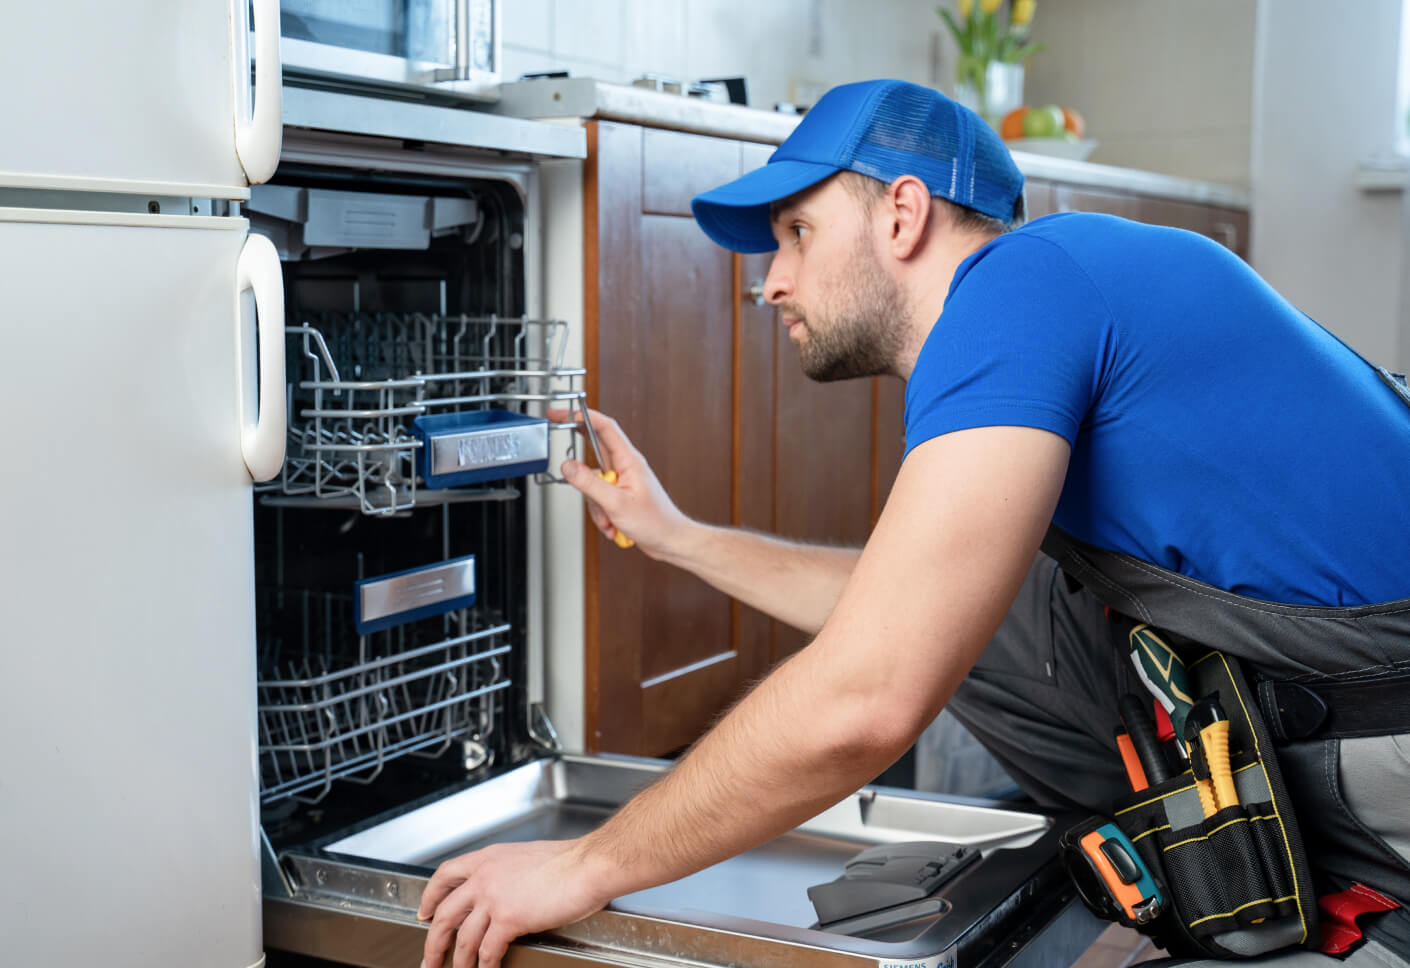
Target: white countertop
{"points": [[581, 97]]}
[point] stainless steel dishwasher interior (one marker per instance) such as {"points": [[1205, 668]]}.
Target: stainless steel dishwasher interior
{"points": [[760, 895]]}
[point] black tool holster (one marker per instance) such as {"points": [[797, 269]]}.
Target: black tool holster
{"points": [[1293, 682]]}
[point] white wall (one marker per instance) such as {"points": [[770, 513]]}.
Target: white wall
{"points": [[1164, 85], [789, 50], [1324, 99]]}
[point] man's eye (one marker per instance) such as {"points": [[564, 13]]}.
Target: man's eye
{"points": [[797, 231]]}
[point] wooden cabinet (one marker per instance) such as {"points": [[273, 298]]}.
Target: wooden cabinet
{"points": [[1227, 226], [706, 383]]}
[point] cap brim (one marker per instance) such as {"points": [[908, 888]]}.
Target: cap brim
{"points": [[736, 215]]}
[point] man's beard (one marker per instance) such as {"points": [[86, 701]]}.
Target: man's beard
{"points": [[861, 333]]}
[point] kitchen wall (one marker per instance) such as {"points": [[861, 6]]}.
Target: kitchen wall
{"points": [[1181, 106], [789, 50], [1164, 85], [1326, 99]]}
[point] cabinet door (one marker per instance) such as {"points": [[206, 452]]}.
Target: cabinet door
{"points": [[1069, 198], [661, 660], [707, 384], [1180, 215], [756, 368], [1039, 198], [1230, 227]]}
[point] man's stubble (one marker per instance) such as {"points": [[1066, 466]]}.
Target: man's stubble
{"points": [[856, 330]]}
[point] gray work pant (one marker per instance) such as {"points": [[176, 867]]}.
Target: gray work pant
{"points": [[1042, 701]]}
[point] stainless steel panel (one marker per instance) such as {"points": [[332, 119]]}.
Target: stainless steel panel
{"points": [[751, 909], [487, 446], [386, 118], [419, 589], [362, 219]]}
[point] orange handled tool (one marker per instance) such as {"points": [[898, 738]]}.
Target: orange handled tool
{"points": [[605, 472]]}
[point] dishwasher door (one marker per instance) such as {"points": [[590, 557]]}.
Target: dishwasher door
{"points": [[354, 899]]}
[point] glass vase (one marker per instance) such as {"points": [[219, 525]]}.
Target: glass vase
{"points": [[992, 92]]}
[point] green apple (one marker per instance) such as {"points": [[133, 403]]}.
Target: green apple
{"points": [[1044, 122]]}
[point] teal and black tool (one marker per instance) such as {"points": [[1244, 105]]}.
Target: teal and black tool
{"points": [[1163, 673]]}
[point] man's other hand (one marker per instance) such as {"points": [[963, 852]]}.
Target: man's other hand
{"points": [[479, 902], [637, 504]]}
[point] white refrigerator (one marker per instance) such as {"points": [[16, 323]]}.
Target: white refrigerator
{"points": [[143, 326]]}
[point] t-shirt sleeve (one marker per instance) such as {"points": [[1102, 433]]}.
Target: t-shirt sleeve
{"points": [[1024, 340]]}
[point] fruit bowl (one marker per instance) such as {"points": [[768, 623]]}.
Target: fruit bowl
{"points": [[1073, 149]]}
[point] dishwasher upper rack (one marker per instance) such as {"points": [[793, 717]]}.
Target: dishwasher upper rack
{"points": [[358, 380], [333, 704]]}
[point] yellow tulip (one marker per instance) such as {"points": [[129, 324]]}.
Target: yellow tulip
{"points": [[1023, 11], [990, 6], [966, 8]]}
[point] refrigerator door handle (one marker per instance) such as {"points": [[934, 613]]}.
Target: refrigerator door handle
{"points": [[258, 138], [263, 413]]}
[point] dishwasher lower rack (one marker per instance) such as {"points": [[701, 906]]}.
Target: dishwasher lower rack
{"points": [[353, 898], [359, 381], [334, 704]]}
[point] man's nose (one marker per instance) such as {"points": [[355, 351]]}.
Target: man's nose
{"points": [[778, 284]]}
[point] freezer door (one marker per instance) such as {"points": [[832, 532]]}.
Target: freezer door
{"points": [[127, 699], [139, 97]]}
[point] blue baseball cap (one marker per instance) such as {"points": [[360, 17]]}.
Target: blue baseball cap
{"points": [[883, 129]]}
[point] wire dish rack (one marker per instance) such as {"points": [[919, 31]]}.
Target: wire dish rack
{"points": [[358, 380], [337, 705]]}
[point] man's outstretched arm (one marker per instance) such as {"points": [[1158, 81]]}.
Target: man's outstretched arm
{"points": [[798, 584], [959, 532]]}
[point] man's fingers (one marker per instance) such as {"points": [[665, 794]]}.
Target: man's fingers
{"points": [[594, 488], [447, 878], [450, 913], [600, 518], [468, 938], [585, 479], [495, 945], [620, 451]]}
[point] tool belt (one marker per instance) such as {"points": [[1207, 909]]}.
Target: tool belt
{"points": [[1232, 878], [1207, 860]]}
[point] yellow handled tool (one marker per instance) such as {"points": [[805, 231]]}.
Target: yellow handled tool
{"points": [[1207, 734], [605, 472]]}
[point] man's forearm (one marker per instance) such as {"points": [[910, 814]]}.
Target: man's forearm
{"points": [[770, 765], [798, 584]]}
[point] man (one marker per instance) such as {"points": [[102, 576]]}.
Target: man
{"points": [[1138, 387]]}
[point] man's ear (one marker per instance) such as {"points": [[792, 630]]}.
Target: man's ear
{"points": [[910, 211]]}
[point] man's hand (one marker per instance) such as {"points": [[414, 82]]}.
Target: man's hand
{"points": [[637, 503], [482, 901]]}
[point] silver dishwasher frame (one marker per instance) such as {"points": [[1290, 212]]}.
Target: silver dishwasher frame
{"points": [[355, 898]]}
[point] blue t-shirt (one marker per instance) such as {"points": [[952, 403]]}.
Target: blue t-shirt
{"points": [[1216, 430]]}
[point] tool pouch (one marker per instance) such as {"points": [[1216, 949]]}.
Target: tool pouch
{"points": [[1235, 884]]}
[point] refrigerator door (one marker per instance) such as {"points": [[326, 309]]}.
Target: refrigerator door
{"points": [[128, 785], [141, 97]]}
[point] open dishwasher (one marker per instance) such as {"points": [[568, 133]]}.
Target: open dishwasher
{"points": [[394, 560]]}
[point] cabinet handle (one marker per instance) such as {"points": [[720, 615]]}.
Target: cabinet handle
{"points": [[755, 292]]}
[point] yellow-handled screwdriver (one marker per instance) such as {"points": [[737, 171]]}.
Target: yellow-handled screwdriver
{"points": [[605, 472]]}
